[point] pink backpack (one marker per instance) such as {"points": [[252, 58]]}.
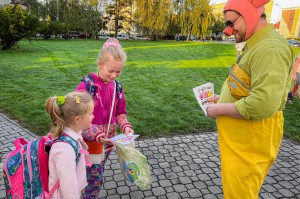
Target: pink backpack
{"points": [[26, 168]]}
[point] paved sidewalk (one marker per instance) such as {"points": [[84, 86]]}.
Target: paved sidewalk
{"points": [[182, 167]]}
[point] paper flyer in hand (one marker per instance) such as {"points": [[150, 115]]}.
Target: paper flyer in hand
{"points": [[123, 139], [202, 93]]}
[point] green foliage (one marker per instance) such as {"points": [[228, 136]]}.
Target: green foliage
{"points": [[152, 15], [218, 24], [82, 16], [61, 16], [49, 28], [34, 7], [125, 18], [15, 24], [195, 17], [119, 16], [173, 25]]}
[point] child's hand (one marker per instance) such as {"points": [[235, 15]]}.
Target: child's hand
{"points": [[128, 130], [107, 141]]}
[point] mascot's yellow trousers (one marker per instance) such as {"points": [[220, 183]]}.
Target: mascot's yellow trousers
{"points": [[248, 149]]}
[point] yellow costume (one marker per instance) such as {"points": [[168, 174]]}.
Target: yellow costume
{"points": [[258, 85]]}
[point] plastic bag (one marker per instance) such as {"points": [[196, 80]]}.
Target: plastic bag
{"points": [[134, 165]]}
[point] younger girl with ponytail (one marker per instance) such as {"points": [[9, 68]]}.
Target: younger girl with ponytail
{"points": [[69, 115]]}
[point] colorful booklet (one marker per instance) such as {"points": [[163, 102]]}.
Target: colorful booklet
{"points": [[123, 139], [202, 93]]}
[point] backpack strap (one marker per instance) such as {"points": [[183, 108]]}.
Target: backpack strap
{"points": [[51, 192], [89, 83], [119, 89], [86, 153], [112, 107], [20, 142], [68, 139]]}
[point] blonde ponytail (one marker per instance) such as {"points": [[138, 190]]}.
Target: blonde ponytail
{"points": [[63, 109]]}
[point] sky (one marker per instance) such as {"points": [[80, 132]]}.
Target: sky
{"points": [[277, 7]]}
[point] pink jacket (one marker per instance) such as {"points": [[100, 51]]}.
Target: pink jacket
{"points": [[103, 102], [62, 167]]}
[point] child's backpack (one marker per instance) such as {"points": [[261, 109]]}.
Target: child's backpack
{"points": [[26, 171], [91, 88]]}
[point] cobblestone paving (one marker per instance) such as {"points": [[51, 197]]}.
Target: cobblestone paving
{"points": [[182, 167]]}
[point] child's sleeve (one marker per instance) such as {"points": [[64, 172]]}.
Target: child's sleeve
{"points": [[123, 122], [94, 133]]}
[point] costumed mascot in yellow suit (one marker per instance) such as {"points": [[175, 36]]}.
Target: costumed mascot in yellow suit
{"points": [[248, 111]]}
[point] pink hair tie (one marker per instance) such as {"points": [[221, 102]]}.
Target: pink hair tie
{"points": [[112, 42]]}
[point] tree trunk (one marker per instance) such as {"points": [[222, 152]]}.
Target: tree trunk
{"points": [[154, 36], [7, 44]]}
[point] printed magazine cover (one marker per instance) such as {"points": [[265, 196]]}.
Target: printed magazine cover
{"points": [[202, 93]]}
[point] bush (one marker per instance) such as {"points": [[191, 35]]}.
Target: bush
{"points": [[50, 28], [219, 38], [15, 24]]}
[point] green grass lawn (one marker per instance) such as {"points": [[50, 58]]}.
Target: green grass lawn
{"points": [[158, 79]]}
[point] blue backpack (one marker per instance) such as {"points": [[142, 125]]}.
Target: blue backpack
{"points": [[26, 171]]}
